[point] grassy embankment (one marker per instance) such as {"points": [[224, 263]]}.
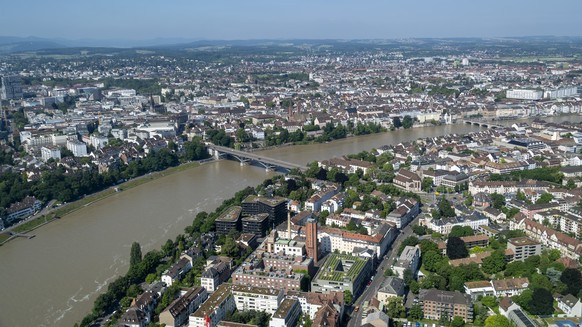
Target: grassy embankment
{"points": [[74, 206]]}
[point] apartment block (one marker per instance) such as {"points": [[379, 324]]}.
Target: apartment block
{"points": [[523, 248], [436, 304]]}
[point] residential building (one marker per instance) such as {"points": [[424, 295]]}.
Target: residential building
{"points": [[133, 317], [78, 148], [436, 304], [479, 288], [523, 248], [274, 271], [177, 313], [568, 246], [257, 298], [177, 270], [407, 209], [287, 314], [256, 224], [445, 225], [215, 275], [211, 312], [50, 152], [391, 287], [11, 88], [22, 209], [510, 286], [570, 305], [228, 221], [475, 240], [275, 207], [524, 94], [409, 259]]}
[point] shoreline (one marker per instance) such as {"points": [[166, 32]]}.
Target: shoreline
{"points": [[58, 213]]}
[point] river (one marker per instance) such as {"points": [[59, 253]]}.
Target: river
{"points": [[53, 279]]}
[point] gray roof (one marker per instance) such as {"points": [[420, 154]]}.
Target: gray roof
{"points": [[393, 285], [445, 296]]}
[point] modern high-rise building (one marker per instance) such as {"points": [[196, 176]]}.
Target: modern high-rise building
{"points": [[11, 88], [311, 239]]}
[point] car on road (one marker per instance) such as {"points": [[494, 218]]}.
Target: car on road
{"points": [[356, 308]]}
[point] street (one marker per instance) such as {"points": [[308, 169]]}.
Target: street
{"points": [[356, 319]]}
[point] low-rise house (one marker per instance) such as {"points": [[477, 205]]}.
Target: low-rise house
{"points": [[22, 209], [391, 287], [146, 302], [509, 286], [177, 270], [133, 317], [409, 259], [570, 305], [177, 313]]}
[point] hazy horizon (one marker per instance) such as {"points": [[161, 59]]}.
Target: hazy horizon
{"points": [[300, 19]]}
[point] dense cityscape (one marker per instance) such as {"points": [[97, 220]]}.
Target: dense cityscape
{"points": [[471, 229]]}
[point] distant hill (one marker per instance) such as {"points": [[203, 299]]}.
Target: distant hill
{"points": [[11, 44]]}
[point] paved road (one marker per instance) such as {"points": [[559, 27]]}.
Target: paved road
{"points": [[371, 290]]}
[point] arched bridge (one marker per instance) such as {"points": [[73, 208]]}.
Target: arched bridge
{"points": [[247, 157], [483, 123]]}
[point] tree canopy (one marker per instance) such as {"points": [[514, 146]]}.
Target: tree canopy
{"points": [[456, 248]]}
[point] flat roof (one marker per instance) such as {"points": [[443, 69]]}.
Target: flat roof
{"points": [[231, 214], [284, 308], [256, 218], [255, 290], [520, 241], [334, 268]]}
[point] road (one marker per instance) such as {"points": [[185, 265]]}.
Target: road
{"points": [[371, 290]]}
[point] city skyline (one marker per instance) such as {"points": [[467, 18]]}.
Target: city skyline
{"points": [[301, 19]]}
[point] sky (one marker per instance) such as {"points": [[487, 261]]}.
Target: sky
{"points": [[289, 19]]}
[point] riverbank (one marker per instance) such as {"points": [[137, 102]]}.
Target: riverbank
{"points": [[60, 212]]}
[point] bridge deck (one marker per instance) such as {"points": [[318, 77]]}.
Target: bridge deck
{"points": [[256, 157]]}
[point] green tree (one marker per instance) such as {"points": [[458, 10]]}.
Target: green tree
{"points": [[456, 248], [407, 122], [544, 302], [570, 184], [545, 198], [460, 231], [230, 248], [489, 301], [135, 255], [498, 200], [573, 280], [395, 307], [497, 321], [348, 297], [415, 312], [426, 184], [431, 260], [457, 322], [494, 263]]}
